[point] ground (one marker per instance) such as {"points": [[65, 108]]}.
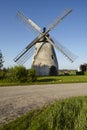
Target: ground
{"points": [[17, 100]]}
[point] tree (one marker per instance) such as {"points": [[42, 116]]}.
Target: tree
{"points": [[83, 68], [1, 60]]}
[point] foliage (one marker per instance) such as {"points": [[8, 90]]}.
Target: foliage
{"points": [[1, 60], [67, 114], [2, 74], [32, 75], [79, 72], [83, 68], [10, 75], [20, 73]]}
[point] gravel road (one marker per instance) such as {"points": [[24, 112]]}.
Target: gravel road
{"points": [[15, 101]]}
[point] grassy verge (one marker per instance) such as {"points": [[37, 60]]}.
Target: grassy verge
{"points": [[49, 80], [67, 114]]}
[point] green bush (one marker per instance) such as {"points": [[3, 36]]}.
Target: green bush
{"points": [[79, 73], [2, 74], [10, 75], [20, 73], [32, 75], [17, 74]]}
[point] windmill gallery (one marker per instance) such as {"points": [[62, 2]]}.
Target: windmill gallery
{"points": [[44, 58]]}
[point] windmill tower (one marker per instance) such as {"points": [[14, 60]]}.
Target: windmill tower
{"points": [[44, 59]]}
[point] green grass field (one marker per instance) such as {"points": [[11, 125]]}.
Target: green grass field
{"points": [[67, 114], [50, 80], [62, 79]]}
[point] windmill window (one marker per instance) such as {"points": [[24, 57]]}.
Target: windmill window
{"points": [[52, 56]]}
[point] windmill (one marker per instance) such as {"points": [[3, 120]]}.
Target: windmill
{"points": [[44, 58]]}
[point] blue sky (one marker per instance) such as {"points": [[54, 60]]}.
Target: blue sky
{"points": [[71, 32]]}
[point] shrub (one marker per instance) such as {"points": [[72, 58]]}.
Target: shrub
{"points": [[32, 75], [20, 73], [10, 75], [2, 74], [66, 74], [79, 73]]}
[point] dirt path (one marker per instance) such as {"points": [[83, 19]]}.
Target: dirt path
{"points": [[15, 101]]}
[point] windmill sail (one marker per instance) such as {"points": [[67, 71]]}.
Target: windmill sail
{"points": [[59, 20], [67, 53], [35, 27], [24, 56], [24, 51], [28, 23]]}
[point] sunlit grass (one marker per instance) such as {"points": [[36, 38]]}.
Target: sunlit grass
{"points": [[67, 114], [62, 79]]}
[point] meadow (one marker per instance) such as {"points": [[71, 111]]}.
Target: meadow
{"points": [[62, 79]]}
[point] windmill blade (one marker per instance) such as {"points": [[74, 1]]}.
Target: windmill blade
{"points": [[21, 60], [59, 20], [26, 49], [28, 22], [68, 54]]}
